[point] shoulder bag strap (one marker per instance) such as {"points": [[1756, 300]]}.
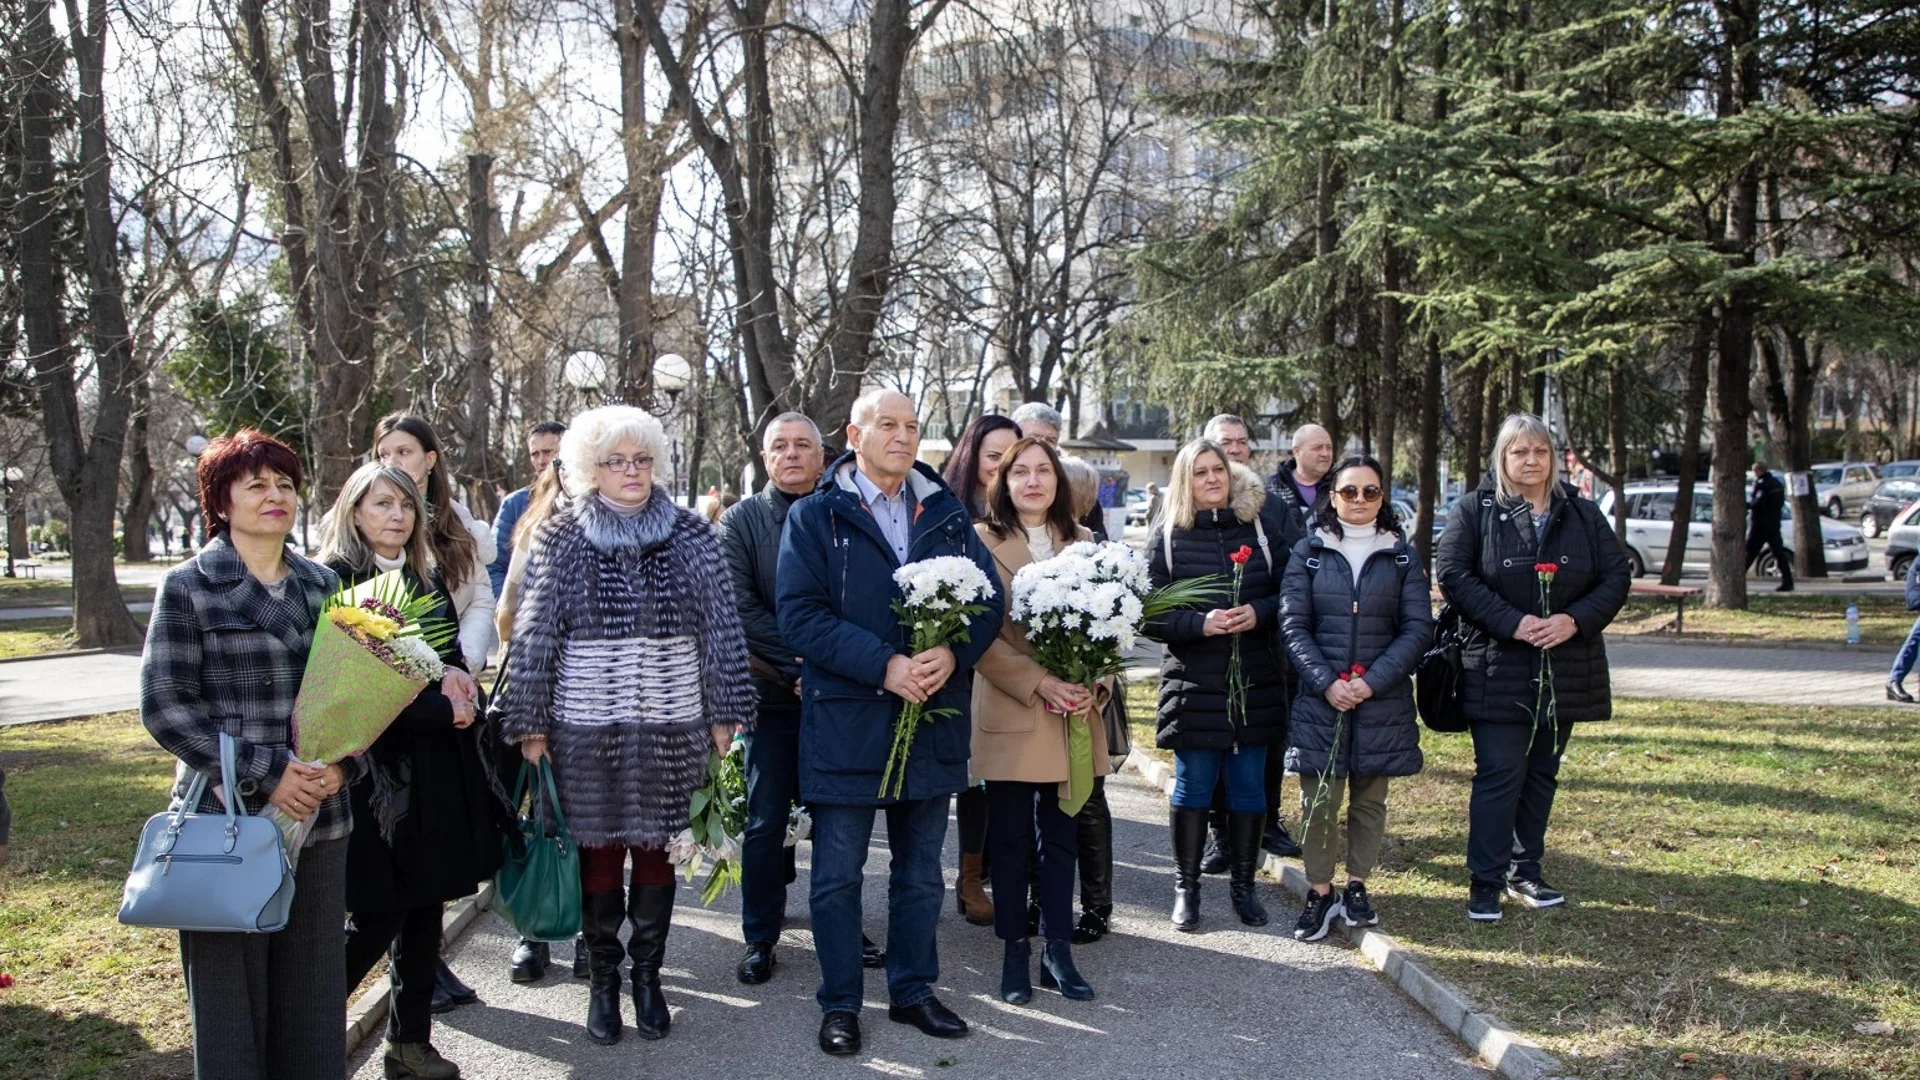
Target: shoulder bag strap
{"points": [[1260, 534]]}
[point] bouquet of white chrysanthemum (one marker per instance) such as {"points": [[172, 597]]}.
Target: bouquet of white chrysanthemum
{"points": [[937, 597], [1082, 610]]}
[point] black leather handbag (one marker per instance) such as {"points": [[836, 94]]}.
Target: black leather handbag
{"points": [[1439, 682]]}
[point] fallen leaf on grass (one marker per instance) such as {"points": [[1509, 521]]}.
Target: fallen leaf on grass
{"points": [[1874, 1027], [1799, 1071], [1688, 1059]]}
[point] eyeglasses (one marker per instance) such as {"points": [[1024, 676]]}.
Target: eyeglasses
{"points": [[624, 465], [1370, 493]]}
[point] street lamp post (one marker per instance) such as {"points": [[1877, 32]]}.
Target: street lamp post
{"points": [[10, 477], [672, 374]]}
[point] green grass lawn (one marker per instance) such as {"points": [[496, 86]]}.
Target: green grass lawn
{"points": [[1745, 886], [1884, 619], [31, 637]]}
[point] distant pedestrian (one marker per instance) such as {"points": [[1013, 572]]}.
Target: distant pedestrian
{"points": [[1522, 518], [1764, 507], [1910, 649]]}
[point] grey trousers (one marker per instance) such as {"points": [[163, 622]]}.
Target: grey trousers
{"points": [[274, 1006]]}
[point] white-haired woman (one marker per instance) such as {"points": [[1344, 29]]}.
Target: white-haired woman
{"points": [[628, 663], [1212, 529], [1535, 574]]}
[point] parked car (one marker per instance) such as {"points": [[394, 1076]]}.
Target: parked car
{"points": [[1903, 541], [1888, 499], [1895, 469], [1844, 486], [1137, 503], [1650, 527]]}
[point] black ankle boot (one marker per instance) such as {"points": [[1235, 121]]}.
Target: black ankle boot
{"points": [[1243, 841], [1095, 923], [651, 909], [1058, 973], [1189, 829], [601, 914], [1016, 973]]}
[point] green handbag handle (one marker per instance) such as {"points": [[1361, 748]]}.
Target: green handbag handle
{"points": [[553, 795]]}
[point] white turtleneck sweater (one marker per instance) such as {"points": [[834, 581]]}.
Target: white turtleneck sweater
{"points": [[1358, 542], [1039, 542]]}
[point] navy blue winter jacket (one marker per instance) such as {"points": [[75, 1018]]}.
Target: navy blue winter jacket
{"points": [[835, 604]]}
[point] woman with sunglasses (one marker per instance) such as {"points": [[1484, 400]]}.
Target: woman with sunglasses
{"points": [[1355, 617], [1492, 565], [1212, 529]]}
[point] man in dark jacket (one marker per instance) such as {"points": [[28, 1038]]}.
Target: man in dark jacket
{"points": [[1300, 483], [1764, 506], [543, 445], [1285, 526], [750, 540], [877, 510]]}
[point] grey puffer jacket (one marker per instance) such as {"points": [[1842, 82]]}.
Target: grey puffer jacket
{"points": [[1329, 624], [626, 646]]}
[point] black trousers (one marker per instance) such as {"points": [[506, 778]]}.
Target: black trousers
{"points": [[1020, 818], [1758, 542], [1515, 776], [970, 813], [411, 940]]}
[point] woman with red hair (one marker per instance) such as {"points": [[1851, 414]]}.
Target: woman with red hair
{"points": [[226, 646]]}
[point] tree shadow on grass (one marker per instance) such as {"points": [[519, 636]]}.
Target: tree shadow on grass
{"points": [[38, 1043]]}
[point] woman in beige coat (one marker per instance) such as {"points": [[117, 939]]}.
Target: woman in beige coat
{"points": [[1020, 732]]}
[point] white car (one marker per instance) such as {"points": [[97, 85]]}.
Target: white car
{"points": [[1650, 526]]}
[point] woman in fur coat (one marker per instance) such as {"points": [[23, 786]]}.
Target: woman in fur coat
{"points": [[628, 664]]}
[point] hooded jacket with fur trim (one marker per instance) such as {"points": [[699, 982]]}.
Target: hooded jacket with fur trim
{"points": [[626, 647], [1193, 674]]}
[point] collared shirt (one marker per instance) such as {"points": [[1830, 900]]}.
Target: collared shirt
{"points": [[894, 514]]}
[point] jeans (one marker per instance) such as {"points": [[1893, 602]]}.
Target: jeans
{"points": [[1514, 780], [1909, 651], [411, 939], [773, 786], [1196, 772], [916, 831], [1021, 817]]}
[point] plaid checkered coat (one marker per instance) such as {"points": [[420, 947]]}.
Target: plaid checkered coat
{"points": [[223, 655]]}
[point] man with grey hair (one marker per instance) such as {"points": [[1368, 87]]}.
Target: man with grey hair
{"points": [[878, 509], [1302, 482], [750, 540], [1038, 420]]}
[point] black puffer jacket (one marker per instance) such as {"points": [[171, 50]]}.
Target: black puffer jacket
{"points": [[1193, 675], [750, 540], [1328, 624], [1486, 570]]}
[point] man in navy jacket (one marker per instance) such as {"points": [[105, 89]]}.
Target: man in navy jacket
{"points": [[876, 510]]}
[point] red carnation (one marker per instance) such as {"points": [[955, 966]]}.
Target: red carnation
{"points": [[1240, 557], [1359, 670], [1546, 568]]}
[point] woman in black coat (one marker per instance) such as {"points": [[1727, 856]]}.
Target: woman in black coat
{"points": [[431, 820], [1355, 618], [1211, 526], [1523, 518]]}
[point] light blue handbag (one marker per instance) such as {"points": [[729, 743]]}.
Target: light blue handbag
{"points": [[209, 872]]}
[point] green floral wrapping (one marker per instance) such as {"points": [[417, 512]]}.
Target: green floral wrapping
{"points": [[347, 697], [1079, 764]]}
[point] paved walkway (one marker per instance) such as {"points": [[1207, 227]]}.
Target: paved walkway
{"points": [[1225, 1002], [63, 687], [1774, 676]]}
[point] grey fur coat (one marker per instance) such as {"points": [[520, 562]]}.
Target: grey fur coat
{"points": [[626, 646]]}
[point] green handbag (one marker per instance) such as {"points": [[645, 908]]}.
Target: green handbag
{"points": [[538, 887]]}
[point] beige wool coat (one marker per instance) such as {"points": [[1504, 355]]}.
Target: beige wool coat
{"points": [[1014, 736]]}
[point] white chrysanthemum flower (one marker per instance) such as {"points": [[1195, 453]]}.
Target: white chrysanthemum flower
{"points": [[418, 659]]}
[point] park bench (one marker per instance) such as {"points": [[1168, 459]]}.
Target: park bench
{"points": [[1679, 594], [27, 568]]}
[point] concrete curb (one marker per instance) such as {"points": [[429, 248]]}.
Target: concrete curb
{"points": [[366, 1017], [1508, 1052]]}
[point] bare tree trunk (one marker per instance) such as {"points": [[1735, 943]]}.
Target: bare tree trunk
{"points": [[86, 466], [136, 518], [1790, 400], [412, 306], [1733, 369], [1473, 398], [479, 472], [1429, 494], [1693, 412], [1617, 444]]}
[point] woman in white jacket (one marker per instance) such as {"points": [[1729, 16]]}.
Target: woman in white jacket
{"points": [[462, 545], [462, 548]]}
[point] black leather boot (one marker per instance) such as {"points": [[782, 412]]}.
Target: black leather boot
{"points": [[1057, 972], [1189, 829], [1016, 972], [580, 962], [601, 914], [651, 909], [1243, 846], [530, 960], [1093, 836]]}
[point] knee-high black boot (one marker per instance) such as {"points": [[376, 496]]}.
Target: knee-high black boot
{"points": [[651, 909], [1243, 838], [1093, 836], [601, 914], [1189, 828]]}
